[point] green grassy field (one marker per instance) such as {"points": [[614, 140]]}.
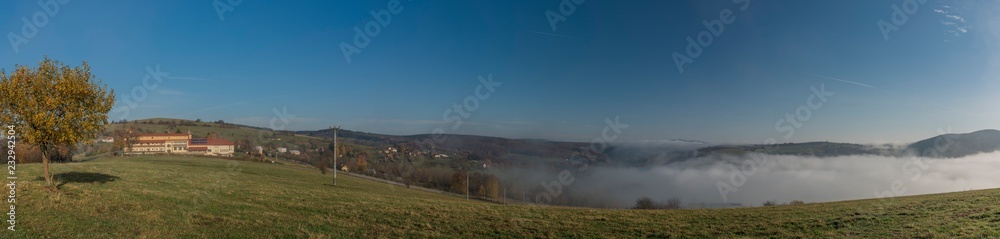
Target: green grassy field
{"points": [[191, 197]]}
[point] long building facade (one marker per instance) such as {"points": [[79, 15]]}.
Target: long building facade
{"points": [[180, 143]]}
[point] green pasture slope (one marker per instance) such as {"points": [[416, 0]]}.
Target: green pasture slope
{"points": [[193, 197]]}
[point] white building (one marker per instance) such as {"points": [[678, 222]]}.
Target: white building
{"points": [[217, 147]]}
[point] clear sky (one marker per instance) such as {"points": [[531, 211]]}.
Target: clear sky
{"points": [[604, 59]]}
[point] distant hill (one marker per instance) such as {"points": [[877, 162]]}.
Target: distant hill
{"points": [[642, 153], [957, 145], [951, 146], [460, 147], [471, 147], [818, 149]]}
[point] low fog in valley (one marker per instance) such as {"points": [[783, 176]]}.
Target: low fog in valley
{"points": [[717, 179]]}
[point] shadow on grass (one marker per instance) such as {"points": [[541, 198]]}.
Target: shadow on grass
{"points": [[92, 157], [80, 177]]}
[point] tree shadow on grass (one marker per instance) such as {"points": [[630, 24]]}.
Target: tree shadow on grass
{"points": [[80, 177]]}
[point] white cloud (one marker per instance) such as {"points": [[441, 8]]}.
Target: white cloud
{"points": [[954, 22]]}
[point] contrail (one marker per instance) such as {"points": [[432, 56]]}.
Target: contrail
{"points": [[952, 109], [212, 108], [224, 106], [557, 35], [855, 83]]}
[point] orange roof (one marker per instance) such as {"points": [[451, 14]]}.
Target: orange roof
{"points": [[219, 142], [151, 141]]}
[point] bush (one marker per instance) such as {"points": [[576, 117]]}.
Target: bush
{"points": [[672, 203], [796, 202], [647, 203], [32, 154], [321, 164], [770, 203], [62, 154], [644, 203]]}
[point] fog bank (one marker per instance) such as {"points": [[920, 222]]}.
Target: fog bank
{"points": [[781, 178]]}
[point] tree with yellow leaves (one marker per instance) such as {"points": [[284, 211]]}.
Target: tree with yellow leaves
{"points": [[492, 187], [124, 139], [362, 163], [54, 105]]}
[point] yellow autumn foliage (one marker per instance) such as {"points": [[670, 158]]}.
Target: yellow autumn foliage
{"points": [[54, 104]]}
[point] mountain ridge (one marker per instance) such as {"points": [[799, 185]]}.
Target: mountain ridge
{"points": [[951, 145]]}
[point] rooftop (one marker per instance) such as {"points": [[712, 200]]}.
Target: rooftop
{"points": [[202, 141]]}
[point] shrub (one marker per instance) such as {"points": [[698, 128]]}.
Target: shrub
{"points": [[321, 164], [644, 203], [459, 182], [672, 203]]}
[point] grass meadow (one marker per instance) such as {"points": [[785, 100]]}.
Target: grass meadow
{"points": [[193, 197]]}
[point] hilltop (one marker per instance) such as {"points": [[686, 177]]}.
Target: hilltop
{"points": [[499, 151], [942, 146], [958, 145], [516, 151]]}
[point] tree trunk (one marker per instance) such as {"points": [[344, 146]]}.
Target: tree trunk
{"points": [[45, 165]]}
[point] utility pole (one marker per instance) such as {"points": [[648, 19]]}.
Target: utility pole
{"points": [[335, 128]]}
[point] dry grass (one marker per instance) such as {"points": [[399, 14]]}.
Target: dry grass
{"points": [[188, 197]]}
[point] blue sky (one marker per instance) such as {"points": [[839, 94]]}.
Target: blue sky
{"points": [[607, 59]]}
